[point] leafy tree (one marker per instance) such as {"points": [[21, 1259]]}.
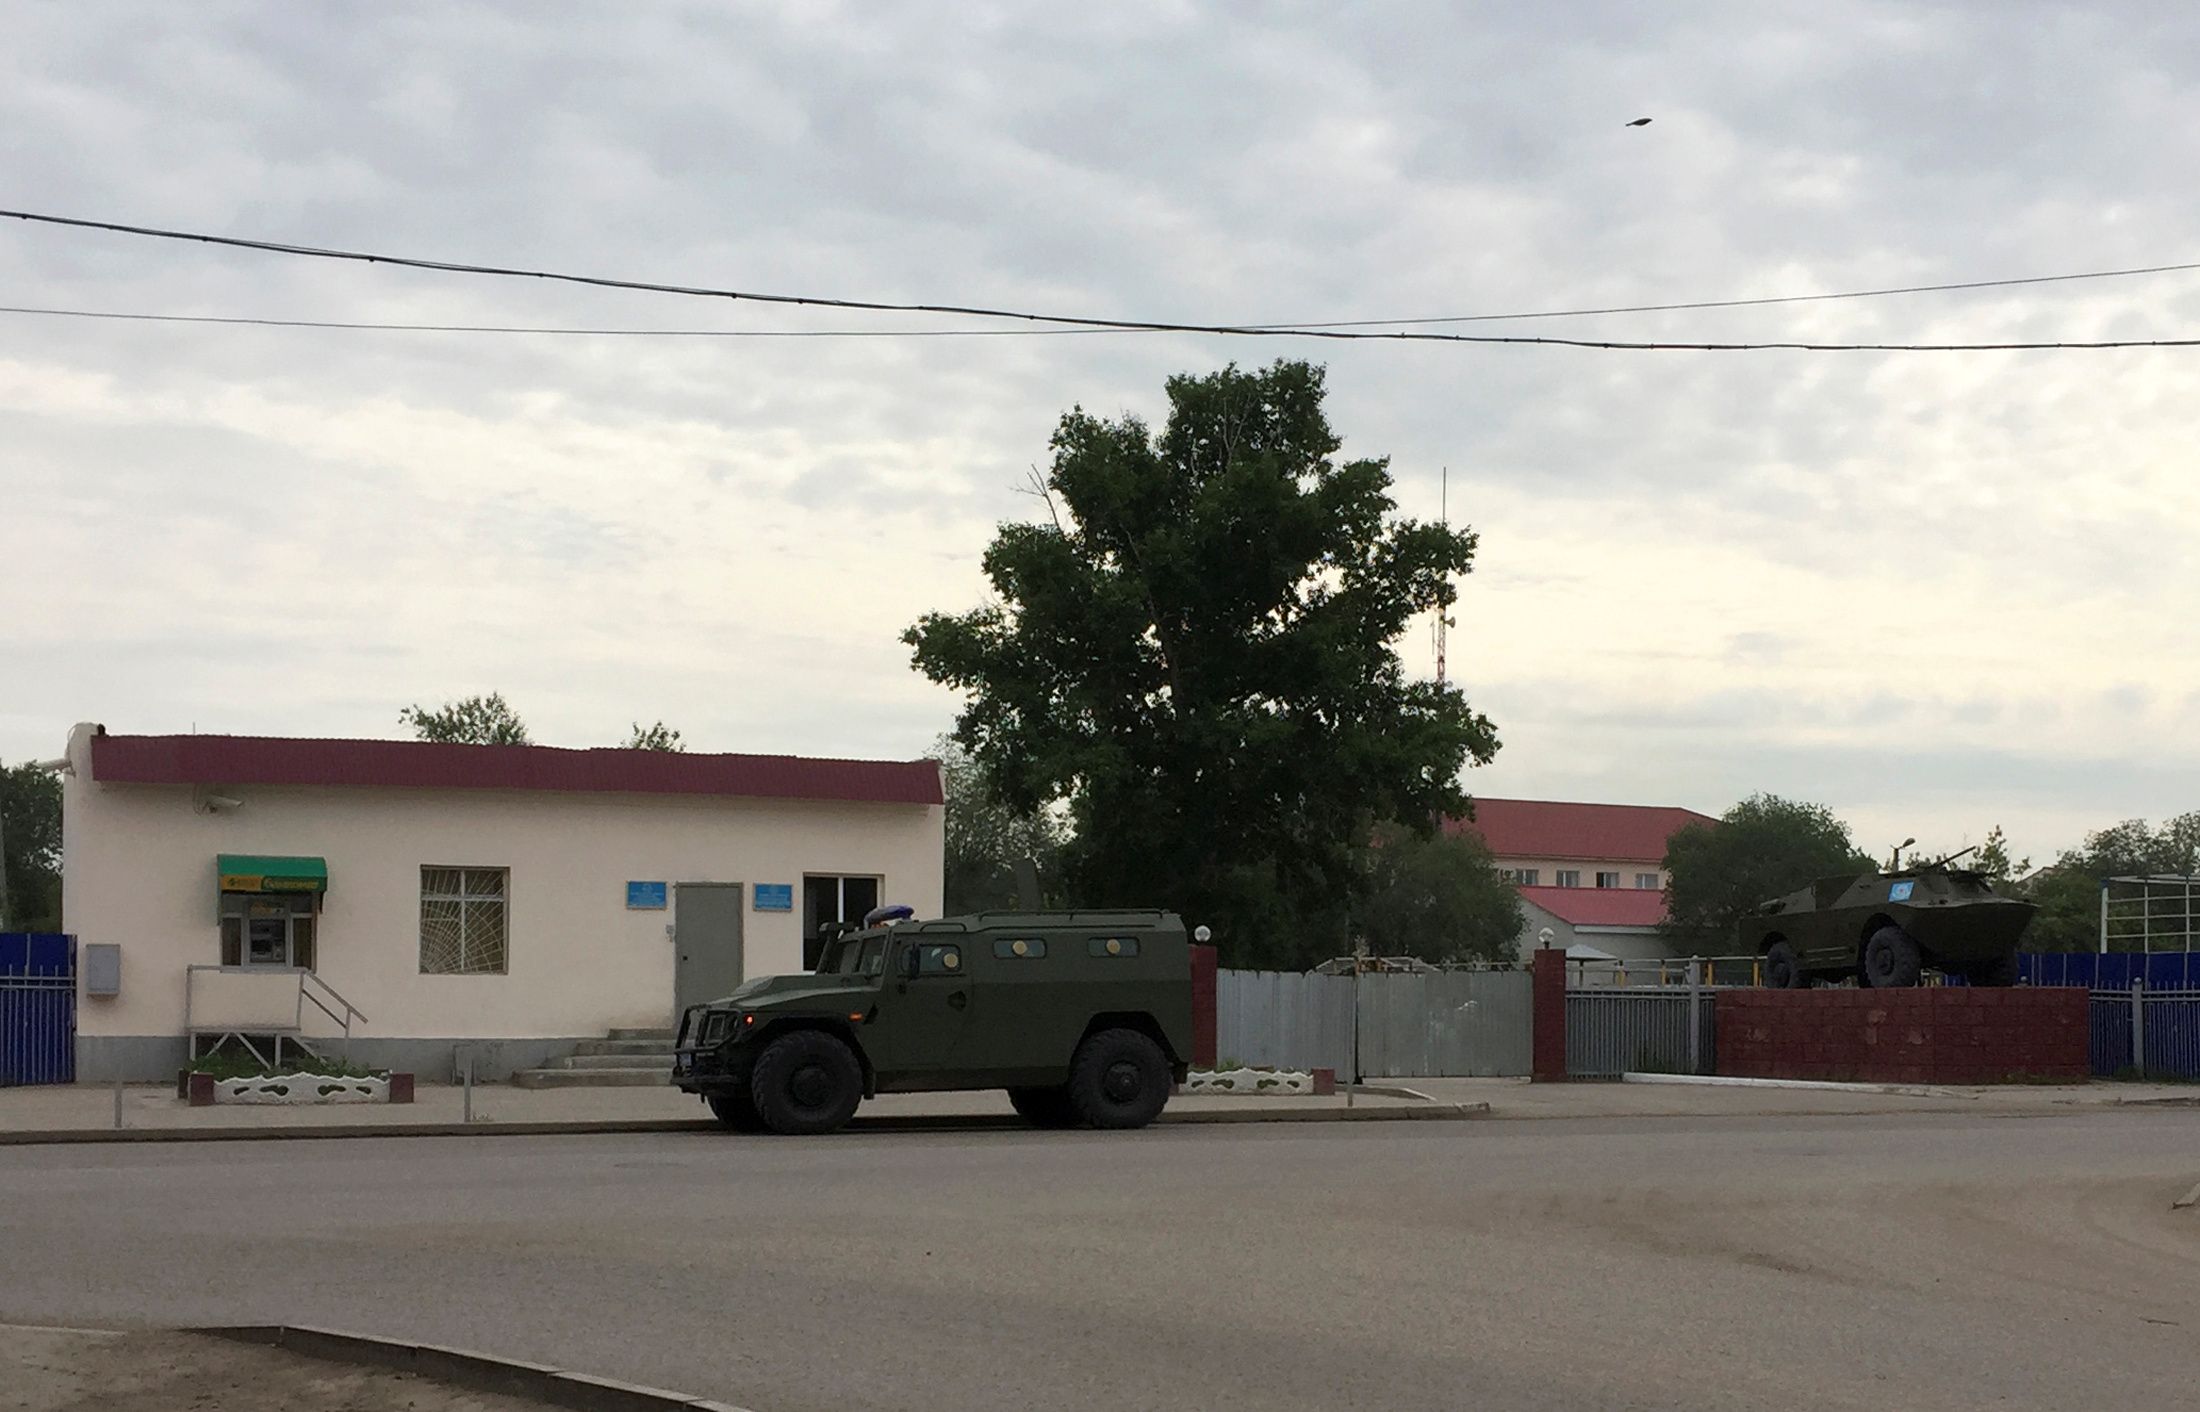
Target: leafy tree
{"points": [[1993, 857], [986, 839], [477, 720], [2068, 891], [1194, 652], [30, 849], [1761, 848], [655, 736], [1439, 898]]}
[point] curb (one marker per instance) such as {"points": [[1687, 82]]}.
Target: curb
{"points": [[477, 1372], [912, 1123], [1820, 1085]]}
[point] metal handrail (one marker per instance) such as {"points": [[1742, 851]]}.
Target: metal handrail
{"points": [[307, 982]]}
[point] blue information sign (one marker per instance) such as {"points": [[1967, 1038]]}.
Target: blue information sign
{"points": [[645, 897], [775, 897]]}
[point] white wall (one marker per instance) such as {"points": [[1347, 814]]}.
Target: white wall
{"points": [[138, 870]]}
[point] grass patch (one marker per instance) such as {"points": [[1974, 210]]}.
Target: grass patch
{"points": [[228, 1063]]}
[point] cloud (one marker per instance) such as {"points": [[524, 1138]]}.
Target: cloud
{"points": [[1701, 574]]}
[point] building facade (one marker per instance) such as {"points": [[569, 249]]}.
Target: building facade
{"points": [[500, 901], [1591, 877]]}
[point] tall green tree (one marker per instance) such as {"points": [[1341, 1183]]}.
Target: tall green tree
{"points": [[476, 720], [1437, 897], [1195, 652], [987, 841], [30, 849], [1759, 849]]}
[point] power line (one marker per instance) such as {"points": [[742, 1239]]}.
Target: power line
{"points": [[1082, 322], [1752, 303], [368, 326]]}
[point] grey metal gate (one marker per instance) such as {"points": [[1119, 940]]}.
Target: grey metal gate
{"points": [[1638, 1029], [1443, 1024]]}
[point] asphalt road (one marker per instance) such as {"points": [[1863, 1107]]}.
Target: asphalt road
{"points": [[1917, 1262]]}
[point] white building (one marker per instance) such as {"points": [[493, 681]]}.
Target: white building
{"points": [[510, 899]]}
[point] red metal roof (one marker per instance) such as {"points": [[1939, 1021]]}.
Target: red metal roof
{"points": [[413, 764], [1600, 906], [1543, 828]]}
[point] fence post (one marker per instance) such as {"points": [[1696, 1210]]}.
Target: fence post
{"points": [[1547, 1038], [1695, 1015], [2139, 1025]]}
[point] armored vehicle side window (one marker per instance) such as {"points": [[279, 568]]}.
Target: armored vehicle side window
{"points": [[1020, 949], [935, 959], [1113, 946]]}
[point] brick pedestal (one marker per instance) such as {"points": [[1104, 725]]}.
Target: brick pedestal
{"points": [[1930, 1035]]}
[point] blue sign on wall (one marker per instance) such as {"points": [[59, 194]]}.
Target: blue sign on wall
{"points": [[775, 897], [645, 897]]}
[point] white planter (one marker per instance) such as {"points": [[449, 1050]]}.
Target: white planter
{"points": [[1250, 1082]]}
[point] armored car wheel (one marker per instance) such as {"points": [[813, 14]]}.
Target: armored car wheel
{"points": [[1891, 959], [736, 1108], [1044, 1107], [806, 1082], [1783, 970], [1118, 1079]]}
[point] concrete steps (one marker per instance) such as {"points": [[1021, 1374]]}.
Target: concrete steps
{"points": [[625, 1058]]}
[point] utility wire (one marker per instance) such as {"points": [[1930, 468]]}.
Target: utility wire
{"points": [[360, 325], [1080, 322], [1751, 303]]}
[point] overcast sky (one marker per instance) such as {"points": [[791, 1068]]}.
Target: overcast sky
{"points": [[1934, 591]]}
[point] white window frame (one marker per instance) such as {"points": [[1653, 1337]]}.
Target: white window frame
{"points": [[1569, 877], [1647, 881], [1601, 876], [462, 897]]}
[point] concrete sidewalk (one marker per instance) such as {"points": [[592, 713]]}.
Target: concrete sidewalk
{"points": [[1518, 1098], [86, 1108]]}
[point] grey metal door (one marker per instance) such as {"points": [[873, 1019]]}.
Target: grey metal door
{"points": [[706, 942]]}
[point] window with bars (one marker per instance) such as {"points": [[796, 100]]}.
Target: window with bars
{"points": [[463, 924]]}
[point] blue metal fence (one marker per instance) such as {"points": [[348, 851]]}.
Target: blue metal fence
{"points": [[37, 1008], [2112, 970]]}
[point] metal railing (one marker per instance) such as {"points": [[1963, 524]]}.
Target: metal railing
{"points": [[1584, 974], [256, 986], [1620, 1027], [2145, 1034]]}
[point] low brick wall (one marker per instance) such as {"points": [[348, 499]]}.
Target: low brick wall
{"points": [[1930, 1035]]}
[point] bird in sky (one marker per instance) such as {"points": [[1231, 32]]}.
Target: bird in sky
{"points": [[1640, 122]]}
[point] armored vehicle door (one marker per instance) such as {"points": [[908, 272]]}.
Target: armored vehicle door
{"points": [[924, 1008]]}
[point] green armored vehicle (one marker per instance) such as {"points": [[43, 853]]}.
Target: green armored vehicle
{"points": [[1885, 928], [1084, 1017]]}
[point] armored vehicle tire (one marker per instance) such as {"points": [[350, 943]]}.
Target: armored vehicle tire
{"points": [[1118, 1079], [1044, 1107], [736, 1108], [1783, 970], [806, 1082], [2001, 971], [1891, 959]]}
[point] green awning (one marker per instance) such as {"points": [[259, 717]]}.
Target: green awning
{"points": [[249, 872]]}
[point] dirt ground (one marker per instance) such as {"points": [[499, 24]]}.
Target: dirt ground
{"points": [[64, 1370]]}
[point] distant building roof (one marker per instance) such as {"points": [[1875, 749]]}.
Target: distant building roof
{"points": [[1599, 906], [1543, 828], [413, 764]]}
